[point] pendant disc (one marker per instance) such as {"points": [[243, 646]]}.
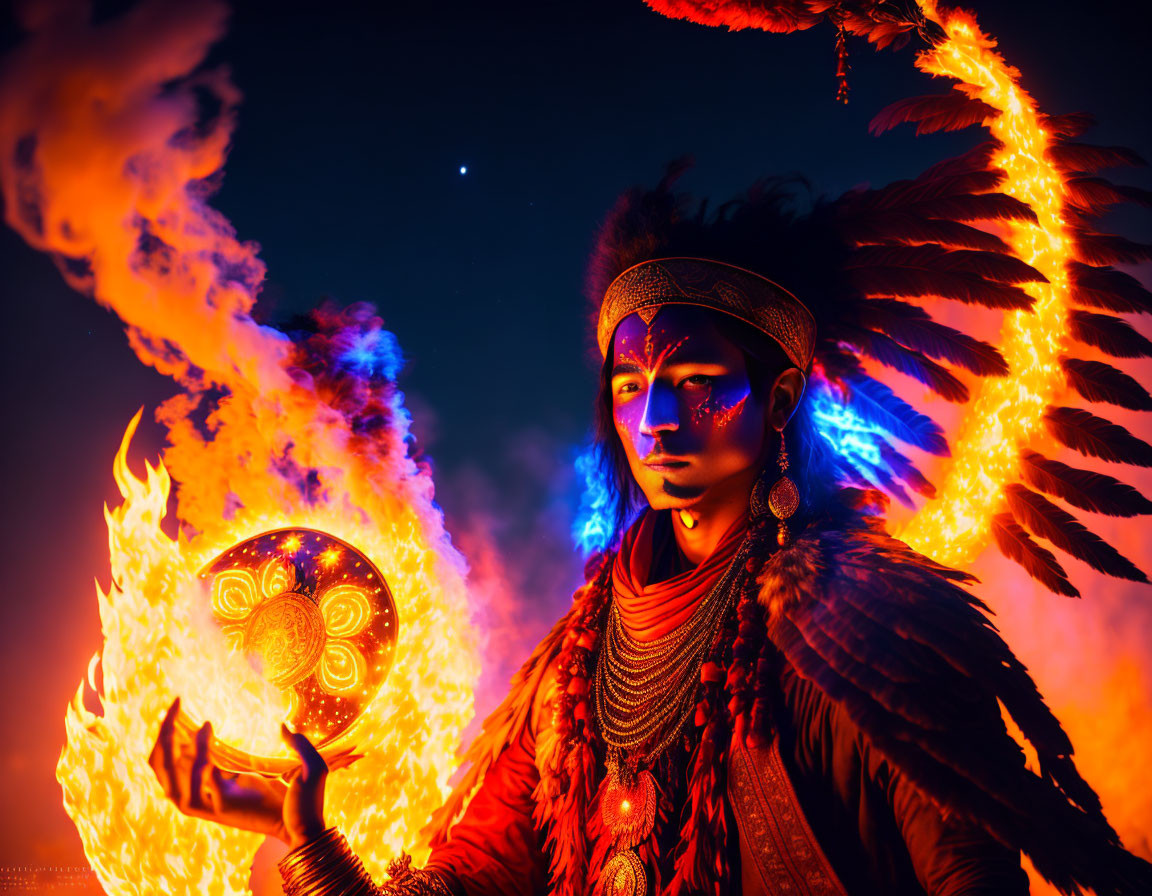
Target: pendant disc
{"points": [[629, 811], [623, 875]]}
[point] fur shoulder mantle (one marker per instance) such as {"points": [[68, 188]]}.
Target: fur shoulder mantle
{"points": [[919, 667]]}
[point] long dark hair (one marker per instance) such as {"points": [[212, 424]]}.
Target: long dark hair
{"points": [[810, 464]]}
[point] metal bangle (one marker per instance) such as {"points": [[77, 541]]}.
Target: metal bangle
{"points": [[327, 866]]}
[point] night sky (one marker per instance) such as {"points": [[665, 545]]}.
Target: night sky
{"points": [[346, 169]]}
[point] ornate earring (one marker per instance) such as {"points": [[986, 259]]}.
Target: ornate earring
{"points": [[784, 498]]}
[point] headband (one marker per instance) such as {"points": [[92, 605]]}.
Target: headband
{"points": [[646, 287]]}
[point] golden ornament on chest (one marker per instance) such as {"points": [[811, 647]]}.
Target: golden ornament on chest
{"points": [[628, 808], [623, 875]]}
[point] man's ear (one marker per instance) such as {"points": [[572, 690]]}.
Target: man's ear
{"points": [[784, 396]]}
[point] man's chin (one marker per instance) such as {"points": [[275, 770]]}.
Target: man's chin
{"points": [[670, 495], [681, 492]]}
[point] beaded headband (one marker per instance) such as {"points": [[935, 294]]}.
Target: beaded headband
{"points": [[646, 287]]}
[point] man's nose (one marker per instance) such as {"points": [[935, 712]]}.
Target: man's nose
{"points": [[660, 411]]}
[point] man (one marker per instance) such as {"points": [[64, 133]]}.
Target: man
{"points": [[757, 690]]}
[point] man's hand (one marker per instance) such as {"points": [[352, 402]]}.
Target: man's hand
{"points": [[292, 812]]}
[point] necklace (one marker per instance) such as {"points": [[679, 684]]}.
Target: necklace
{"points": [[644, 692]]}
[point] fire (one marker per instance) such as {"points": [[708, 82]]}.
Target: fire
{"points": [[107, 156], [1006, 412], [160, 641]]}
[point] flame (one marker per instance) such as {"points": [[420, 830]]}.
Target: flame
{"points": [[1006, 412], [107, 156], [1101, 693]]}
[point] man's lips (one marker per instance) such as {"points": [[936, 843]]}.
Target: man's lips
{"points": [[662, 463]]}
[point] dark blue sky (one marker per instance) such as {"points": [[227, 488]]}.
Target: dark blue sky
{"points": [[346, 169]]}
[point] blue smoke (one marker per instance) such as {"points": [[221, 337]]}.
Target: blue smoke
{"points": [[373, 354], [594, 525]]}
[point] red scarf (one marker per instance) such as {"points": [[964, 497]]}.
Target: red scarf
{"points": [[650, 611]]}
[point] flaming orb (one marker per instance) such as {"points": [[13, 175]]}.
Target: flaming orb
{"points": [[316, 617]]}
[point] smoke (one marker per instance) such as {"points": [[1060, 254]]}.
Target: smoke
{"points": [[112, 141], [514, 524]]}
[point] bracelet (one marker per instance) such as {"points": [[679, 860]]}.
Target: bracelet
{"points": [[326, 866]]}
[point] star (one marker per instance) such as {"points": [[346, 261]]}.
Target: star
{"points": [[463, 169]]}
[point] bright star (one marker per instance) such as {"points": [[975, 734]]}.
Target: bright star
{"points": [[463, 169]]}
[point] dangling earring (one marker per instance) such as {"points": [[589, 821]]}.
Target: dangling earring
{"points": [[784, 498]]}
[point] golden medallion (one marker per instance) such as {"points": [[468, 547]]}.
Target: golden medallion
{"points": [[286, 632], [629, 810], [623, 875]]}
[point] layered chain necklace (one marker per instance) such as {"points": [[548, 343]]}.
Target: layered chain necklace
{"points": [[644, 693]]}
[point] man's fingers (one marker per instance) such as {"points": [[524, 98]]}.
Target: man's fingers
{"points": [[313, 765], [214, 788], [199, 764], [166, 770]]}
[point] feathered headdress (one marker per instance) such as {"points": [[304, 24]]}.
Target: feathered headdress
{"points": [[865, 262]]}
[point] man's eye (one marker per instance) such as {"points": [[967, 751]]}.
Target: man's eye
{"points": [[697, 379]]}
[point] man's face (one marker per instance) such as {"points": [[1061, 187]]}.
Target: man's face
{"points": [[683, 407]]}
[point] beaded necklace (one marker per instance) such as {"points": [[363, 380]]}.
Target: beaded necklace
{"points": [[644, 692]]}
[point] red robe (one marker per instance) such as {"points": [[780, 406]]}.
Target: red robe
{"points": [[877, 831], [881, 696]]}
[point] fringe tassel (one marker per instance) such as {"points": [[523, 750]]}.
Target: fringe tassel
{"points": [[569, 775], [701, 864], [745, 650]]}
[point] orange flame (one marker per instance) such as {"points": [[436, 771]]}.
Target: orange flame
{"points": [[1006, 413], [105, 161], [1096, 679]]}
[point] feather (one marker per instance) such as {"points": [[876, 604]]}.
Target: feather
{"points": [[1040, 563], [879, 405], [914, 327], [959, 183], [907, 471], [779, 16], [1098, 381], [979, 207], [1086, 157], [1109, 289], [977, 159], [989, 265], [1071, 124], [1084, 432], [938, 112], [894, 34], [1082, 488], [1106, 248], [1095, 195], [879, 478], [916, 282], [892, 354], [1112, 335], [1048, 521], [870, 622], [904, 227]]}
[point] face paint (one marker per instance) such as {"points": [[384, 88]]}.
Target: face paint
{"points": [[682, 405]]}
